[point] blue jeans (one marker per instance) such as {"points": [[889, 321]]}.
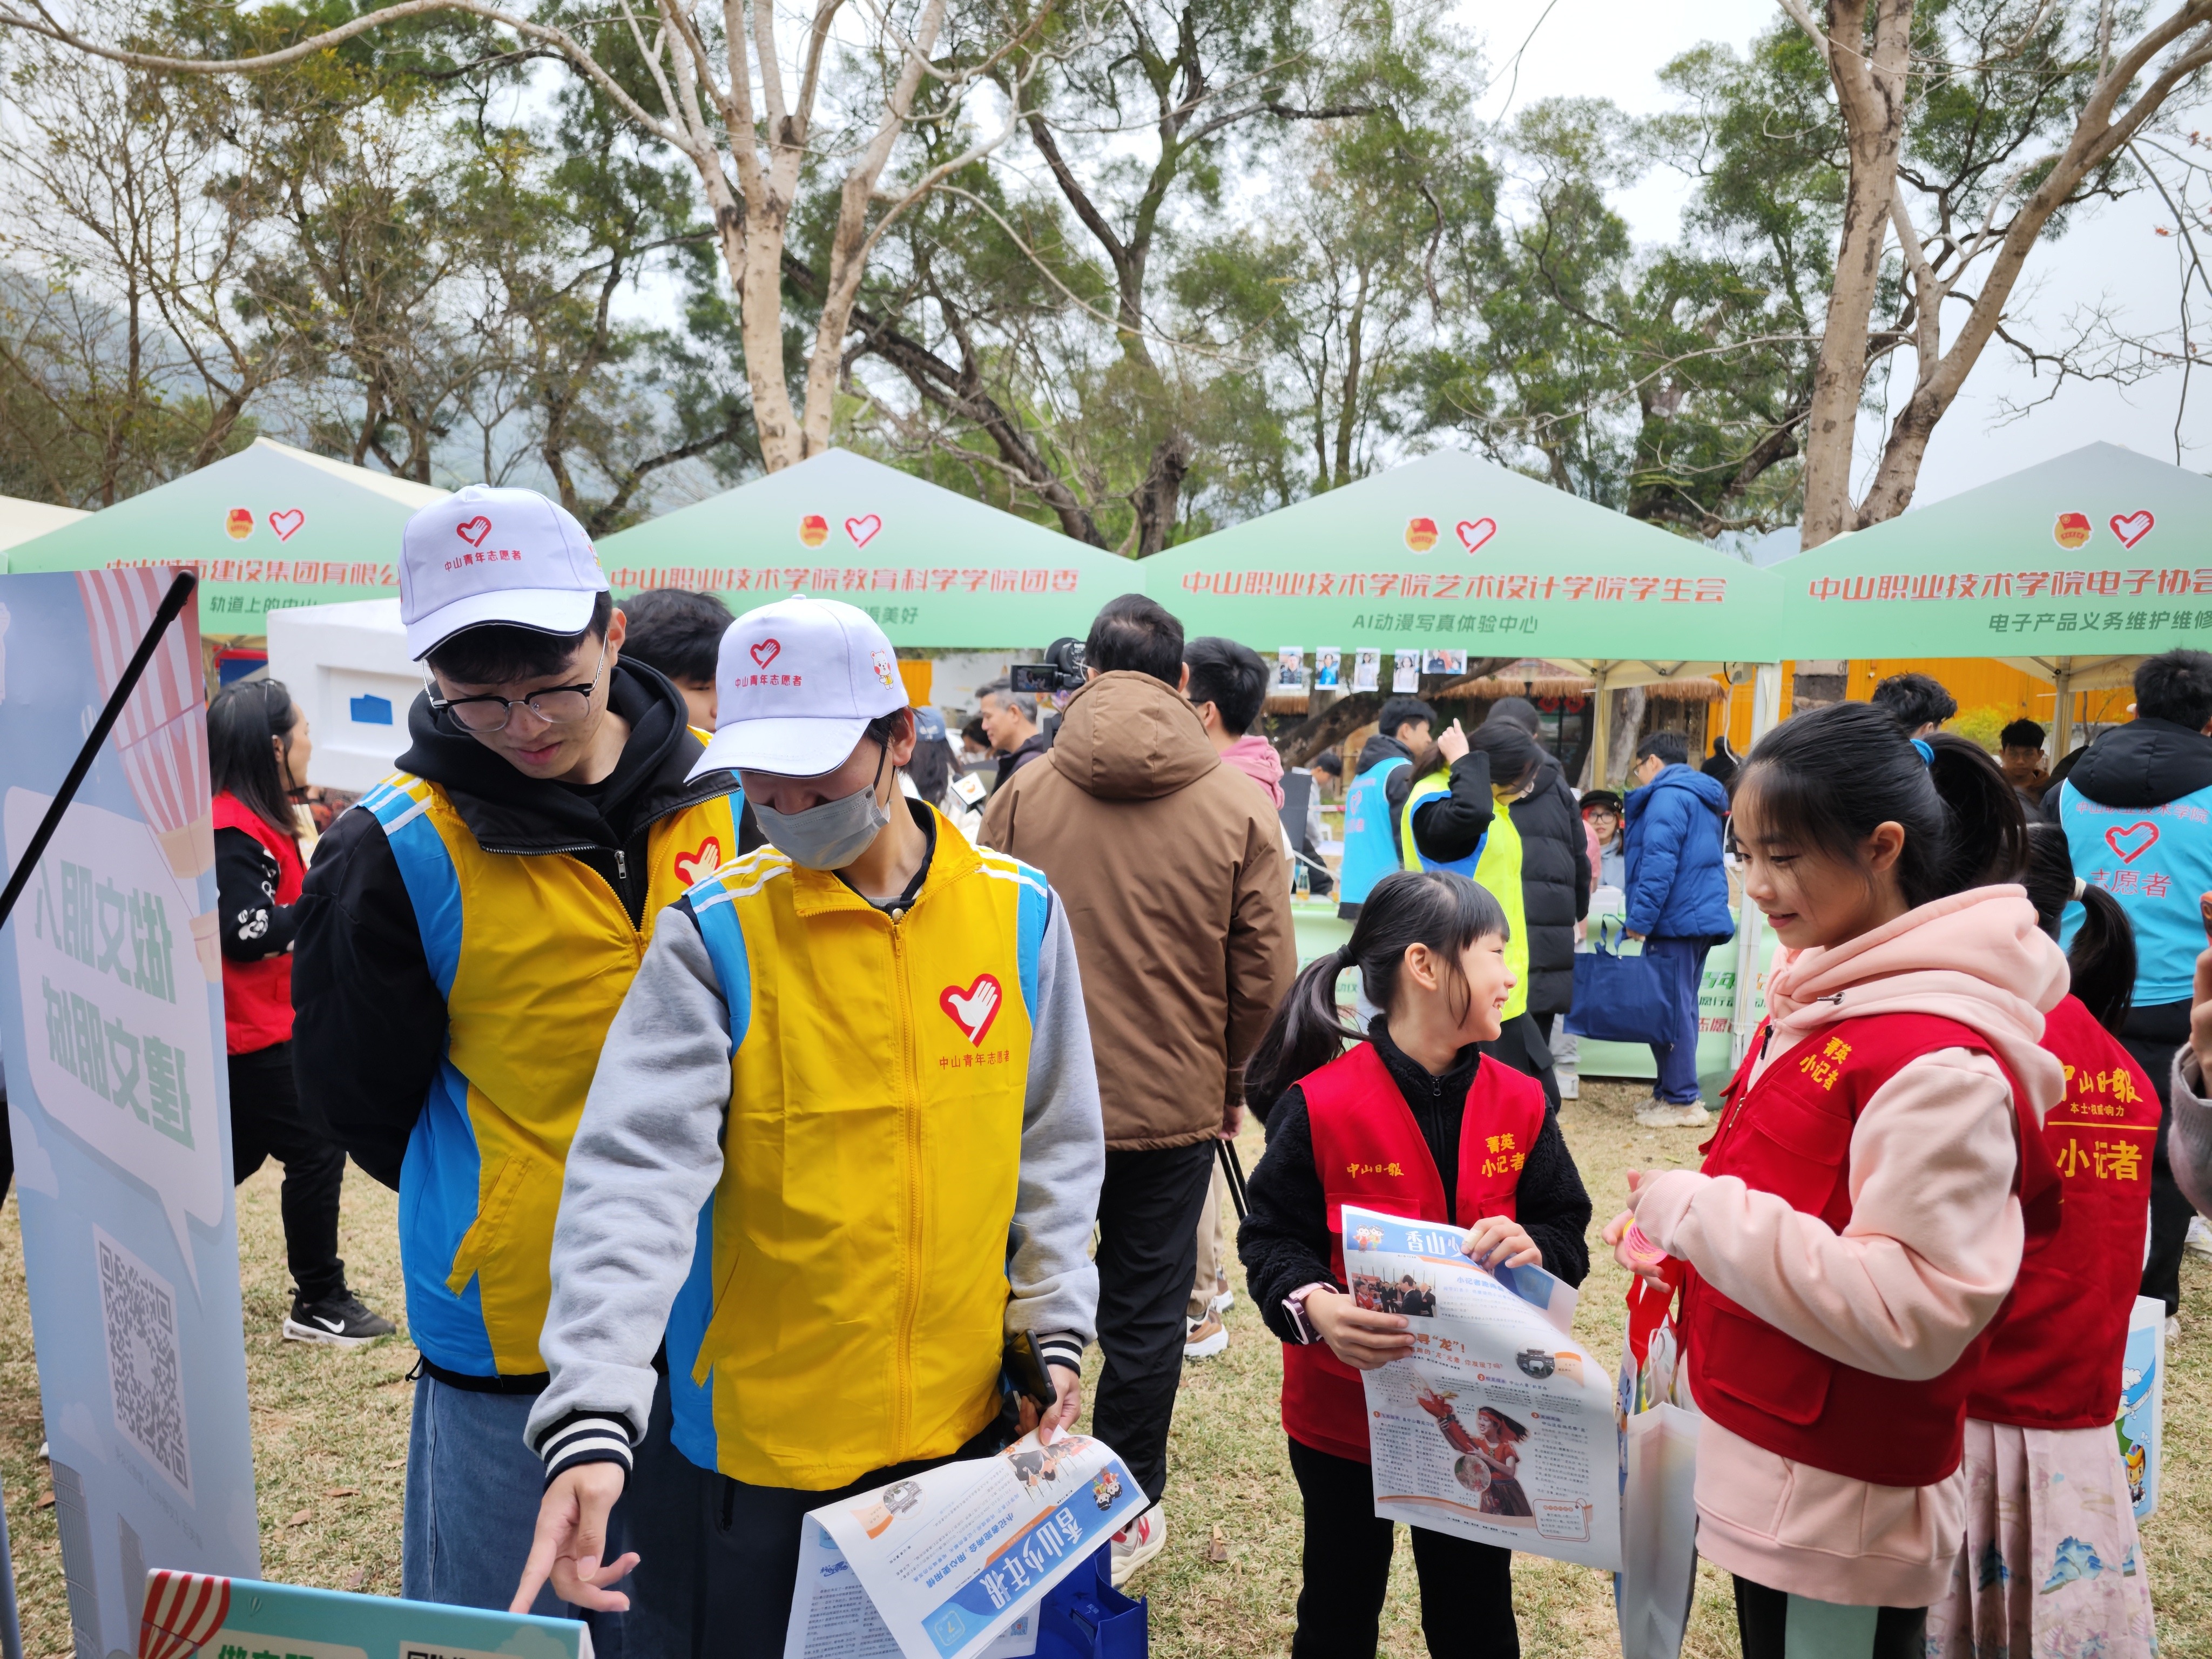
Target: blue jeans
{"points": [[1684, 960], [473, 1486]]}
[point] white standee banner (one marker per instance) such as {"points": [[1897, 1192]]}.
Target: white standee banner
{"points": [[1500, 1427]]}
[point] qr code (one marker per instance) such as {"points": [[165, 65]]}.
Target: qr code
{"points": [[139, 1309]]}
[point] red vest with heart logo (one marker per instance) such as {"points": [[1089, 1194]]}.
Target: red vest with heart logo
{"points": [[1369, 1153], [1789, 1133], [257, 996], [2054, 1358]]}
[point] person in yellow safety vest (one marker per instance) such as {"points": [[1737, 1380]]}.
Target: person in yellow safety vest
{"points": [[1442, 824], [844, 1146]]}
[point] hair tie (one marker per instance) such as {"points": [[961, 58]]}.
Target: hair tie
{"points": [[2080, 887], [1927, 750]]}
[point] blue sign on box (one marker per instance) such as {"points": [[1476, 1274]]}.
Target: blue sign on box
{"points": [[370, 710]]}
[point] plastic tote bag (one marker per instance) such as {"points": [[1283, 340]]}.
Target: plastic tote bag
{"points": [[1658, 1482], [1620, 995]]}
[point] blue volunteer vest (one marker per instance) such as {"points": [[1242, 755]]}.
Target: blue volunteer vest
{"points": [[1369, 852], [2154, 860]]}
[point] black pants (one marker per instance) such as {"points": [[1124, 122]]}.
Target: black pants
{"points": [[1521, 1044], [1466, 1588], [1148, 1214], [1762, 1621], [2152, 1035], [266, 1122]]}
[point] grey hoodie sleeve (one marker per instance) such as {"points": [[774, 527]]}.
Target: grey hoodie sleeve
{"points": [[2188, 1130]]}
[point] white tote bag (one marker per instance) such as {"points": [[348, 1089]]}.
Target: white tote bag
{"points": [[1658, 1532]]}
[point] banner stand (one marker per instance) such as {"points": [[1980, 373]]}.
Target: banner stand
{"points": [[11, 1629]]}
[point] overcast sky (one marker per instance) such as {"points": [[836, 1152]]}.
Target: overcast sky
{"points": [[1614, 48]]}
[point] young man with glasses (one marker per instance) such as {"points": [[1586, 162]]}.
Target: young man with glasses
{"points": [[465, 940]]}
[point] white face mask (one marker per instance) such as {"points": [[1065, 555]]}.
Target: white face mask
{"points": [[831, 835]]}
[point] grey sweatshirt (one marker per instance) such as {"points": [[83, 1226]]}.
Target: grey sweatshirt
{"points": [[2189, 1131], [648, 1152]]}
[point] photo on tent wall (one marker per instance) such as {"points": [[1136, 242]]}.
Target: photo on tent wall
{"points": [[1366, 670], [1406, 672]]}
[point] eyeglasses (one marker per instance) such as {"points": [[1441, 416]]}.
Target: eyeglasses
{"points": [[556, 704]]}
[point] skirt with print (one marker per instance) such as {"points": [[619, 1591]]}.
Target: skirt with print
{"points": [[2052, 1568]]}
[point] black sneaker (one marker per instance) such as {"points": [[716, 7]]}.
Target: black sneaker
{"points": [[340, 1319]]}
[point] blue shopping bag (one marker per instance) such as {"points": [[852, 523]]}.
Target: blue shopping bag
{"points": [[1621, 996], [1084, 1617]]}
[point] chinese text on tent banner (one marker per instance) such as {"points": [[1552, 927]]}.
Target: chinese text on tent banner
{"points": [[953, 1556], [1499, 1426]]}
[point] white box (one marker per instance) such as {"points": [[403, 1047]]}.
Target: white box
{"points": [[347, 666]]}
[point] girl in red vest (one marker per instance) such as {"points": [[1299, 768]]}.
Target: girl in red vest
{"points": [[1417, 1122], [258, 748], [2051, 1562], [1859, 1219]]}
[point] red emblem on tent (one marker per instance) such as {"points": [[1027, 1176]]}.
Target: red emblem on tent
{"points": [[1473, 533], [863, 531], [287, 523], [2132, 527]]}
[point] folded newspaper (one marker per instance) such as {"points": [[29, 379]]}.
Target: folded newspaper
{"points": [[953, 1563], [1500, 1427]]}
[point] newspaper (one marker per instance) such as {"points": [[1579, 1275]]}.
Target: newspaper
{"points": [[948, 1561], [1500, 1427]]}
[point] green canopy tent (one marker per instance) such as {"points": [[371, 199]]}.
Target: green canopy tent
{"points": [[268, 528], [2073, 570], [936, 569]]}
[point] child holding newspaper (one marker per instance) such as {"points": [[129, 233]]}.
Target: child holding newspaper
{"points": [[1413, 1121]]}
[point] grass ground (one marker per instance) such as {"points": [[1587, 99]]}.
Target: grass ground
{"points": [[330, 1430]]}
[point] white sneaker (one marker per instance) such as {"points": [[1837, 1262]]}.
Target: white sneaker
{"points": [[1657, 1114], [2172, 1329], [1204, 1338], [1138, 1543], [1570, 1083], [1226, 1298], [2199, 1237]]}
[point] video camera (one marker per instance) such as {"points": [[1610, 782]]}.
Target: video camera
{"points": [[1060, 670]]}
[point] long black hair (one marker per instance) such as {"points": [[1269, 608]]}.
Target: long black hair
{"points": [[930, 766], [2103, 958], [241, 720], [1824, 780], [1436, 908]]}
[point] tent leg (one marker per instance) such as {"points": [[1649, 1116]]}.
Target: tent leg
{"points": [[2062, 713], [1765, 715], [1601, 725]]}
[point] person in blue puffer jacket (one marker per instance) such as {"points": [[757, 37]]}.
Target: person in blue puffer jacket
{"points": [[1678, 904]]}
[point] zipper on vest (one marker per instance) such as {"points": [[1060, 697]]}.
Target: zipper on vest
{"points": [[909, 1289], [622, 866]]}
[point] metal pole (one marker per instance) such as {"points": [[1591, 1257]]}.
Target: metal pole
{"points": [[12, 1630], [1601, 725], [2061, 717], [1765, 715]]}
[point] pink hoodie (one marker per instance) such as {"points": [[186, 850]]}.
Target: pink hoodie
{"points": [[1931, 1252], [1255, 757]]}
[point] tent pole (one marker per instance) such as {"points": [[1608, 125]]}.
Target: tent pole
{"points": [[1765, 715], [2062, 716], [1601, 725]]}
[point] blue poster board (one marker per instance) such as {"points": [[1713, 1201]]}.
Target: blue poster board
{"points": [[185, 1613], [111, 1018]]}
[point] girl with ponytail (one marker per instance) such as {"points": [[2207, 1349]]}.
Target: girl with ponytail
{"points": [[2042, 1462], [1415, 1119], [1863, 1206]]}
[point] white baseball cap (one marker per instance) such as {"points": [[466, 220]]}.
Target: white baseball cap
{"points": [[490, 555], [796, 686]]}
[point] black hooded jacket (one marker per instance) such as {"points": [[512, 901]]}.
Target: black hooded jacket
{"points": [[1555, 885], [369, 1020], [2146, 763]]}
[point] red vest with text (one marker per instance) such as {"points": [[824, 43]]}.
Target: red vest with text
{"points": [[2054, 1359], [1789, 1133], [257, 996], [1369, 1153]]}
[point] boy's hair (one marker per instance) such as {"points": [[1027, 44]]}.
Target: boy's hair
{"points": [[1402, 711], [501, 653], [1330, 762], [1914, 700], [2177, 686], [1136, 633], [2021, 734], [1231, 677], [676, 631], [1672, 748], [1518, 710]]}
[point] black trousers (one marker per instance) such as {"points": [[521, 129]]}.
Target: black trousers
{"points": [[1148, 1213], [1762, 1623], [2152, 1035], [266, 1122], [1466, 1588]]}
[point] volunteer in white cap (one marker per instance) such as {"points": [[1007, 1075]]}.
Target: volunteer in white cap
{"points": [[843, 1150], [465, 938]]}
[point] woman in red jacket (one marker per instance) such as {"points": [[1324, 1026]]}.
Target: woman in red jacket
{"points": [[258, 748], [2052, 1564], [1406, 1122]]}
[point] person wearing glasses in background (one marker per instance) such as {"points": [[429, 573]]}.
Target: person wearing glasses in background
{"points": [[464, 938]]}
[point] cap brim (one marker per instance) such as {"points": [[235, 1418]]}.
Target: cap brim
{"points": [[792, 746], [547, 610]]}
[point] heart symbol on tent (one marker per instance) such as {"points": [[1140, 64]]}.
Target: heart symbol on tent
{"points": [[973, 1009], [2130, 529], [2132, 840], [285, 523], [863, 531], [1474, 534], [473, 531], [765, 652], [691, 868]]}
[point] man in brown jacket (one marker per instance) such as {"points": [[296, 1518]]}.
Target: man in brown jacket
{"points": [[1172, 867]]}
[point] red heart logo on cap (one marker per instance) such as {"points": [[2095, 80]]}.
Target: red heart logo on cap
{"points": [[287, 522], [473, 531], [2130, 528], [2139, 838], [863, 531], [973, 1009], [765, 652], [1473, 534], [691, 868]]}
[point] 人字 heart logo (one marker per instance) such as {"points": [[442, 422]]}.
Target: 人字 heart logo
{"points": [[973, 1009], [1473, 533], [765, 652], [288, 522], [2132, 840], [2130, 528], [863, 531], [473, 531], [692, 868]]}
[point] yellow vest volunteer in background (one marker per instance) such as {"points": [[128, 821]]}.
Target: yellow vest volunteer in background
{"points": [[465, 940], [843, 1145]]}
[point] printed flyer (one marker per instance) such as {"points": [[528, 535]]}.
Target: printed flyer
{"points": [[956, 1556], [1500, 1426]]}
